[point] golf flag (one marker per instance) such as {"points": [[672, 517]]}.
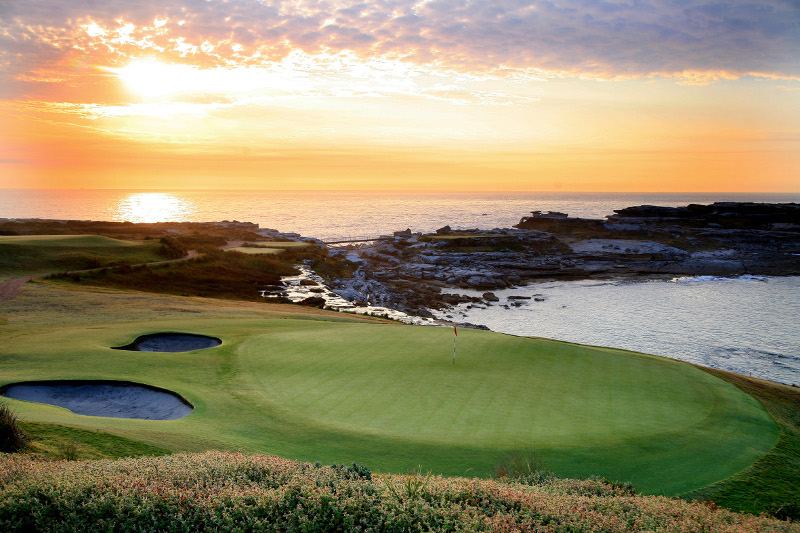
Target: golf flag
{"points": [[455, 334]]}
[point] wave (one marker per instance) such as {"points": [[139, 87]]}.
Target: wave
{"points": [[701, 279]]}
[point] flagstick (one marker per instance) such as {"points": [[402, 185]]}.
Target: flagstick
{"points": [[454, 346]]}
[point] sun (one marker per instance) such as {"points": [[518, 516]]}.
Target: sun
{"points": [[151, 78], [152, 207]]}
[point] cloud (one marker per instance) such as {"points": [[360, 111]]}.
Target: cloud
{"points": [[694, 41]]}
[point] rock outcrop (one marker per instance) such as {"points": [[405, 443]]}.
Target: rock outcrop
{"points": [[409, 271]]}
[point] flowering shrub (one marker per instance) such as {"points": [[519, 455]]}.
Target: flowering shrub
{"points": [[217, 491]]}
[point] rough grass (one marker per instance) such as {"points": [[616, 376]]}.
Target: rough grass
{"points": [[227, 492], [43, 254], [215, 273], [63, 442], [394, 401]]}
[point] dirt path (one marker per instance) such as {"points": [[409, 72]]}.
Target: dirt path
{"points": [[10, 287]]}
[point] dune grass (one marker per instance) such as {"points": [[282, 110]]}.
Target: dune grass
{"points": [[335, 388], [42, 254]]}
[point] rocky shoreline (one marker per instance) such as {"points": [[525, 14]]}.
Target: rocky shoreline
{"points": [[408, 271]]}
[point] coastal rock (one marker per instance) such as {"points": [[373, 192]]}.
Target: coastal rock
{"points": [[719, 239]]}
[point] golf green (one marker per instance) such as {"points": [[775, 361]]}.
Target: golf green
{"points": [[331, 387]]}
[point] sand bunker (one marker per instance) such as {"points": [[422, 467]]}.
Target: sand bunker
{"points": [[116, 399], [170, 342]]}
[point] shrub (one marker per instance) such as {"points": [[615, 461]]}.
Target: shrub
{"points": [[171, 248], [233, 492], [354, 471], [12, 438]]}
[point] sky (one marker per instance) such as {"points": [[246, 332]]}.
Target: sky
{"points": [[558, 95]]}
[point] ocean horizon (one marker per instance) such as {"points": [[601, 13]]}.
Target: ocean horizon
{"points": [[326, 214]]}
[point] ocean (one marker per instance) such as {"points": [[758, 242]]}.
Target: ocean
{"points": [[328, 214], [746, 325]]}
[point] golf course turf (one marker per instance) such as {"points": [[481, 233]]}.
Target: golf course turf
{"points": [[323, 386], [43, 254]]}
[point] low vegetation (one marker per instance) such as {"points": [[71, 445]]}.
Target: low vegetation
{"points": [[12, 437], [215, 273], [232, 492]]}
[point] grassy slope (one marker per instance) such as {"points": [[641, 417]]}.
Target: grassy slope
{"points": [[42, 254], [773, 483], [52, 440], [248, 392]]}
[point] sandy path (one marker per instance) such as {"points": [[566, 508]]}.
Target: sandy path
{"points": [[10, 287]]}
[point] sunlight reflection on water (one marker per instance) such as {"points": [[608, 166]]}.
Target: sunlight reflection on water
{"points": [[152, 207]]}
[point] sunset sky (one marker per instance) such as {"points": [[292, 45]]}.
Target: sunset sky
{"points": [[559, 95]]}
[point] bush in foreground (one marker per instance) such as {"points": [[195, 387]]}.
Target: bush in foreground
{"points": [[233, 492], [12, 438]]}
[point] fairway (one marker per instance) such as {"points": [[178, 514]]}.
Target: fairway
{"points": [[256, 251], [269, 247], [334, 388], [77, 241], [43, 254]]}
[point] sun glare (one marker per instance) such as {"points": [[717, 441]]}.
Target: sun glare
{"points": [[152, 78], [152, 207]]}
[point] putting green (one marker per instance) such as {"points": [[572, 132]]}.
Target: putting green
{"points": [[333, 388], [401, 382]]}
